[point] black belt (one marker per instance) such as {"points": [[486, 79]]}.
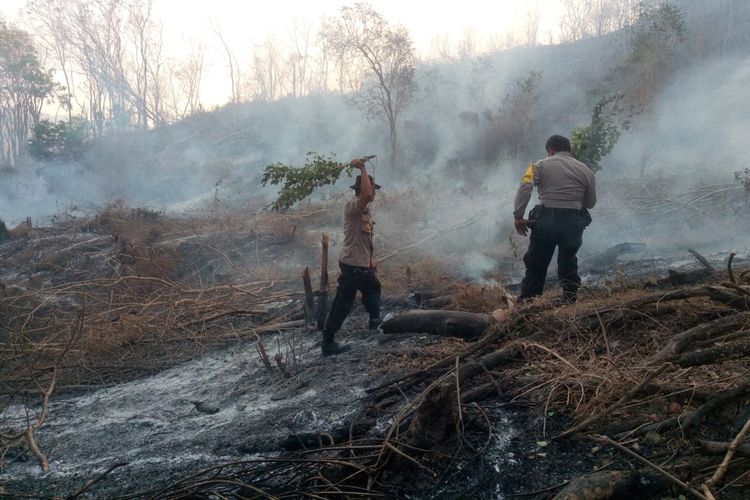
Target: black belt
{"points": [[562, 210]]}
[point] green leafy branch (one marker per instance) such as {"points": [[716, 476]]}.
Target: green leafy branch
{"points": [[592, 143], [297, 183]]}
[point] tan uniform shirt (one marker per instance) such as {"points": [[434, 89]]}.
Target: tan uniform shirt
{"points": [[358, 225], [562, 182]]}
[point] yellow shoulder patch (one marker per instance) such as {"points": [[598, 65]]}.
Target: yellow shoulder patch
{"points": [[528, 177]]}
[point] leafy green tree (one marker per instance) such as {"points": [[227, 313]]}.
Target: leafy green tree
{"points": [[59, 141], [592, 143], [24, 87]]}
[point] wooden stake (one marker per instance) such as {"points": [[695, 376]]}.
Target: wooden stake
{"points": [[322, 294], [309, 301], [324, 262]]}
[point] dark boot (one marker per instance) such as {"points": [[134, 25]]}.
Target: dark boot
{"points": [[330, 347], [373, 325]]}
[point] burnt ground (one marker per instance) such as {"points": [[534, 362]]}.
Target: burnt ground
{"points": [[217, 403], [153, 426]]}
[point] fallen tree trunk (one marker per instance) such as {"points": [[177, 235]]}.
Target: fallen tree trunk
{"points": [[725, 352], [676, 278], [739, 301], [719, 448], [460, 324], [687, 421], [704, 331]]}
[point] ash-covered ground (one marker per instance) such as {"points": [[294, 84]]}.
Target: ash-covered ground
{"points": [[220, 403], [227, 406]]}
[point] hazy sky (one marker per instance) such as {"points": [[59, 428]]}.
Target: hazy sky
{"points": [[245, 23]]}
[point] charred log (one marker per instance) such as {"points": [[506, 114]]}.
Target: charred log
{"points": [[740, 301], [719, 448], [676, 278], [314, 440], [721, 353], [461, 324], [612, 484], [434, 422]]}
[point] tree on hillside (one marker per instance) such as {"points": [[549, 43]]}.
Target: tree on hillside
{"points": [[59, 141], [590, 18], [298, 62], [185, 84], [360, 35], [235, 75], [24, 87], [653, 44], [110, 54], [718, 27], [268, 71]]}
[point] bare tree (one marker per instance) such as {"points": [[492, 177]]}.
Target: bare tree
{"points": [[185, 82], [234, 70], [300, 38], [387, 53], [268, 71], [531, 19], [55, 37], [24, 86], [116, 45], [467, 45], [587, 18], [440, 48]]}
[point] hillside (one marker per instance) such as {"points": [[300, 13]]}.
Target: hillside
{"points": [[157, 340]]}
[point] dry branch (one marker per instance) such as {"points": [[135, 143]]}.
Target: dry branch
{"points": [[719, 474], [670, 477], [618, 404], [691, 419], [703, 261]]}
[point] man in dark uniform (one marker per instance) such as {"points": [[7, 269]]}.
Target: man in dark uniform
{"points": [[567, 189], [358, 271]]}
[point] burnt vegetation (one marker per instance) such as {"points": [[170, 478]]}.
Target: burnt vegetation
{"points": [[640, 389]]}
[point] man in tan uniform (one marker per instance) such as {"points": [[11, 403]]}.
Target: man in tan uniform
{"points": [[567, 189], [358, 271]]}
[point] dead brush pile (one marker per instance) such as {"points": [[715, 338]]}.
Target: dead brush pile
{"points": [[657, 380], [662, 376], [129, 292]]}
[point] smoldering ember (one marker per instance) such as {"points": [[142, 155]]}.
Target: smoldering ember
{"points": [[172, 273]]}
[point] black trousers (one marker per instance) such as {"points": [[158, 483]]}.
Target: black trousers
{"points": [[559, 228], [350, 281]]}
